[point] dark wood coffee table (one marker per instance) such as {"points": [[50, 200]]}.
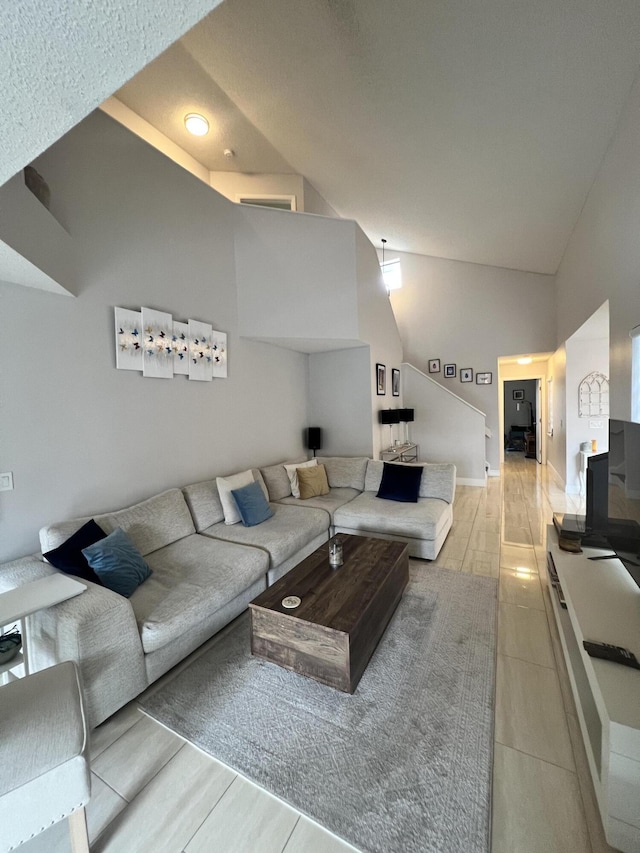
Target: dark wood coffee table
{"points": [[343, 613]]}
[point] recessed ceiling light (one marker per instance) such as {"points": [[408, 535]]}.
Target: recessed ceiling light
{"points": [[526, 360], [196, 124]]}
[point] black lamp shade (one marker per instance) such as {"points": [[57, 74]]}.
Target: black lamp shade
{"points": [[389, 416], [314, 438], [405, 416]]}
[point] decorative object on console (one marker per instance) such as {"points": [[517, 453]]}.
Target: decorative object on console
{"points": [[406, 417], [484, 378], [395, 381], [434, 365], [10, 644], [390, 417], [381, 379], [450, 371], [152, 342], [314, 439], [466, 374]]}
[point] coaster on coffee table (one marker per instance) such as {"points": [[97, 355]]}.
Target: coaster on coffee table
{"points": [[291, 602]]}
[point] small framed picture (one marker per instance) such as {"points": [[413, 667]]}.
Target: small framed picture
{"points": [[466, 374], [484, 378], [395, 382], [434, 365], [519, 394], [450, 371], [381, 379]]}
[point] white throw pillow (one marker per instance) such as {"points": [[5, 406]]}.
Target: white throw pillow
{"points": [[293, 476], [225, 486]]}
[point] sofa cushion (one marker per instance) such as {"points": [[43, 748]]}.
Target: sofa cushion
{"points": [[277, 480], [204, 502], [153, 523], [329, 503], [252, 504], [312, 482], [400, 483], [286, 532], [421, 520], [213, 570], [438, 478], [68, 556], [345, 471], [226, 485], [117, 562]]}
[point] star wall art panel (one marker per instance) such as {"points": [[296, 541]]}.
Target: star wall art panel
{"points": [[157, 355], [180, 347], [128, 339], [200, 351], [219, 354]]}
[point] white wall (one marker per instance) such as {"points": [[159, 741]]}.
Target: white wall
{"points": [[445, 428], [315, 203], [602, 260], [82, 437], [340, 401], [584, 355], [469, 315]]}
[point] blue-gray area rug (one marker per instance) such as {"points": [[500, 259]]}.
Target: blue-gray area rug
{"points": [[401, 766]]}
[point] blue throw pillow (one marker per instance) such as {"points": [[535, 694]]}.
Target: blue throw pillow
{"points": [[400, 483], [118, 563], [252, 504], [69, 558]]}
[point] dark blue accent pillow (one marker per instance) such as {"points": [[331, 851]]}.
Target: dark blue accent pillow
{"points": [[69, 558], [400, 483], [118, 563], [252, 504]]}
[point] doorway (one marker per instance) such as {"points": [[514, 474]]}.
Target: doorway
{"points": [[521, 407]]}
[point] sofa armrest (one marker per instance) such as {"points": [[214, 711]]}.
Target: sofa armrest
{"points": [[22, 571], [98, 631]]}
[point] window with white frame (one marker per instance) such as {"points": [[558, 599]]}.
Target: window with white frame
{"points": [[635, 373], [392, 274]]}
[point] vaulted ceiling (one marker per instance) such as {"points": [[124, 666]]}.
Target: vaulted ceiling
{"points": [[463, 129]]}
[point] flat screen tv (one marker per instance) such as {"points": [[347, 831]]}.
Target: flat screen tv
{"points": [[623, 527]]}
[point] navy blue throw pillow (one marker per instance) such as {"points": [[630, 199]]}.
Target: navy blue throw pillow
{"points": [[400, 483], [69, 558]]}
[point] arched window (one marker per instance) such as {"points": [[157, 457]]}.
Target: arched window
{"points": [[593, 395]]}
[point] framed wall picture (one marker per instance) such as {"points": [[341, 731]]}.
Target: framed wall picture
{"points": [[484, 378], [466, 374], [434, 365], [395, 382], [518, 394], [450, 371], [381, 379]]}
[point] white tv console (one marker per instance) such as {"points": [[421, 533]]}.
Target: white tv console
{"points": [[603, 605]]}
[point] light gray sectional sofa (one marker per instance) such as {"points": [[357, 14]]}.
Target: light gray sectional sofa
{"points": [[206, 572]]}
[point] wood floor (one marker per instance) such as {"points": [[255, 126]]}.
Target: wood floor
{"points": [[155, 793]]}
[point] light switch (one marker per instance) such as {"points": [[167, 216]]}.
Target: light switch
{"points": [[6, 482], [596, 425]]}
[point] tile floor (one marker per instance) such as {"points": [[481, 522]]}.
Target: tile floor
{"points": [[155, 793]]}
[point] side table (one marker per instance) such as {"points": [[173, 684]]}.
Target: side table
{"points": [[400, 453], [18, 603]]}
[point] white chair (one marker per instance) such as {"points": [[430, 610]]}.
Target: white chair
{"points": [[44, 775]]}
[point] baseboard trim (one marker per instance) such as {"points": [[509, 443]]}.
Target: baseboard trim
{"points": [[469, 481], [493, 472]]}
